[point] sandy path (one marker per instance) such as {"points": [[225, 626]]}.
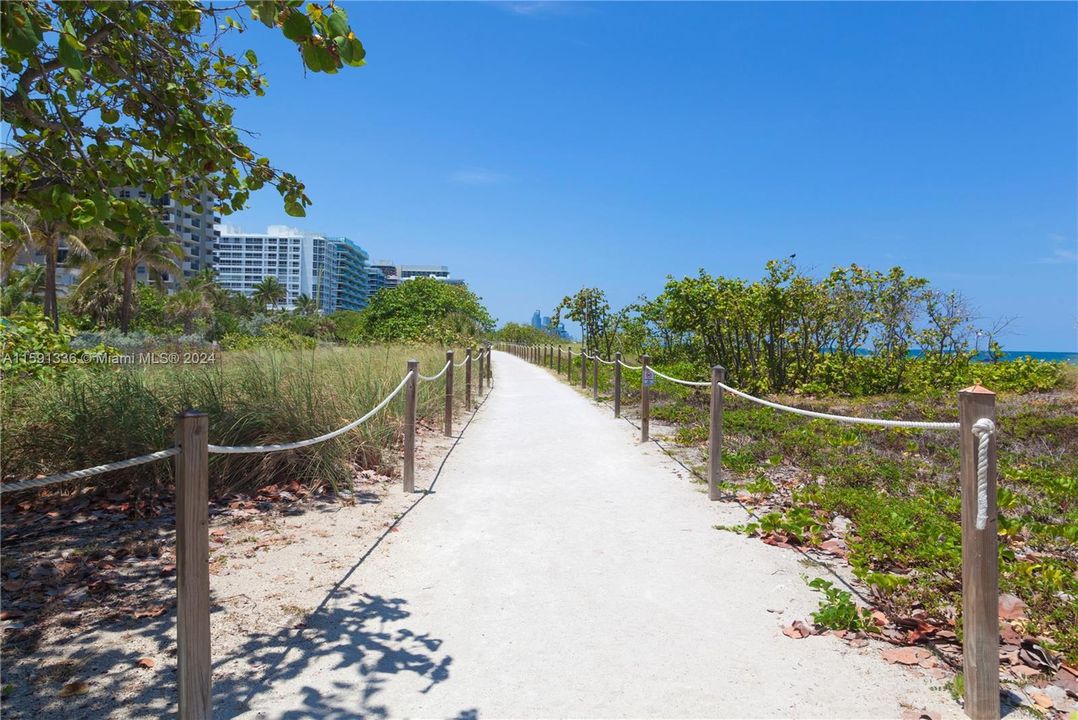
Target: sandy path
{"points": [[561, 569]]}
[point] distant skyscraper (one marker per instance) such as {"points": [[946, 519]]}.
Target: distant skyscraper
{"points": [[537, 320]]}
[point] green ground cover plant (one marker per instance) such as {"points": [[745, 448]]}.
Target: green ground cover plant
{"points": [[898, 488]]}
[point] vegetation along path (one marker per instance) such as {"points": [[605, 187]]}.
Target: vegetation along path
{"points": [[559, 568]]}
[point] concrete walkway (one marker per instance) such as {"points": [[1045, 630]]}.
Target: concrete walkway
{"points": [[562, 569]]}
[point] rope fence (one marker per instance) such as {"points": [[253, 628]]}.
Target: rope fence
{"points": [[977, 437], [191, 453], [88, 472], [249, 449]]}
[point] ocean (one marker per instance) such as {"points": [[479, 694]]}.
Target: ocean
{"points": [[1015, 354]]}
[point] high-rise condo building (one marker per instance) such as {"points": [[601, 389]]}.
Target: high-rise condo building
{"points": [[330, 270]]}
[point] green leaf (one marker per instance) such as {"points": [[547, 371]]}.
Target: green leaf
{"points": [[73, 36], [296, 26], [21, 34], [188, 20], [352, 52], [338, 23], [84, 213], [294, 209], [251, 57], [109, 115], [310, 57]]}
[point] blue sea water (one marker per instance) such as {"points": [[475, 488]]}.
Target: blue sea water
{"points": [[1055, 356], [1015, 354]]}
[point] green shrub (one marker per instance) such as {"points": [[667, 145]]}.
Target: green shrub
{"points": [[275, 337], [838, 611]]}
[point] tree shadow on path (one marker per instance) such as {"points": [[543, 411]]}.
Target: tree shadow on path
{"points": [[364, 634]]}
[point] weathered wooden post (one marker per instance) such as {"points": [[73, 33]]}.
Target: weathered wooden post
{"points": [[482, 372], [468, 379], [550, 357], [409, 426], [645, 400], [617, 385], [980, 559], [449, 394], [714, 445], [193, 565], [583, 370], [490, 369], [559, 359], [569, 369], [595, 377]]}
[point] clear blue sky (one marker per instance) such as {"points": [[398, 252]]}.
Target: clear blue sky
{"points": [[538, 148]]}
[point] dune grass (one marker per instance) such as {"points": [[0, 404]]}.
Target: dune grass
{"points": [[95, 415]]}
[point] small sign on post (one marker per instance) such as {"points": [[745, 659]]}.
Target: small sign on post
{"points": [[649, 377]]}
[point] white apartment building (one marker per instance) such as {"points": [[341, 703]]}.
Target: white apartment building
{"points": [[243, 260], [396, 273], [193, 225]]}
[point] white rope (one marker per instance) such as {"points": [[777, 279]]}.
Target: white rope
{"points": [[631, 367], [678, 381], [88, 472], [608, 362], [442, 372], [245, 449], [983, 429], [844, 418]]}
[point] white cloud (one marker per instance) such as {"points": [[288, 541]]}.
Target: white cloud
{"points": [[478, 176], [528, 7], [1059, 256]]}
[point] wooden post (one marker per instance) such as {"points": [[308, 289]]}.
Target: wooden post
{"points": [[490, 368], [559, 359], [595, 377], [409, 426], [980, 563], [714, 445], [617, 385], [645, 400], [193, 565], [468, 379], [482, 372], [583, 370], [449, 394], [569, 369]]}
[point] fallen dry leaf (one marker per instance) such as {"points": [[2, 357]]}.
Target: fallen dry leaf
{"points": [[1041, 699], [74, 688], [905, 655], [797, 630], [1011, 608], [146, 662], [149, 611]]}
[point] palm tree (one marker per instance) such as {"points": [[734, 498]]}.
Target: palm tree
{"points": [[21, 286], [204, 282], [25, 230], [120, 260], [270, 292], [98, 300], [305, 305], [186, 306]]}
